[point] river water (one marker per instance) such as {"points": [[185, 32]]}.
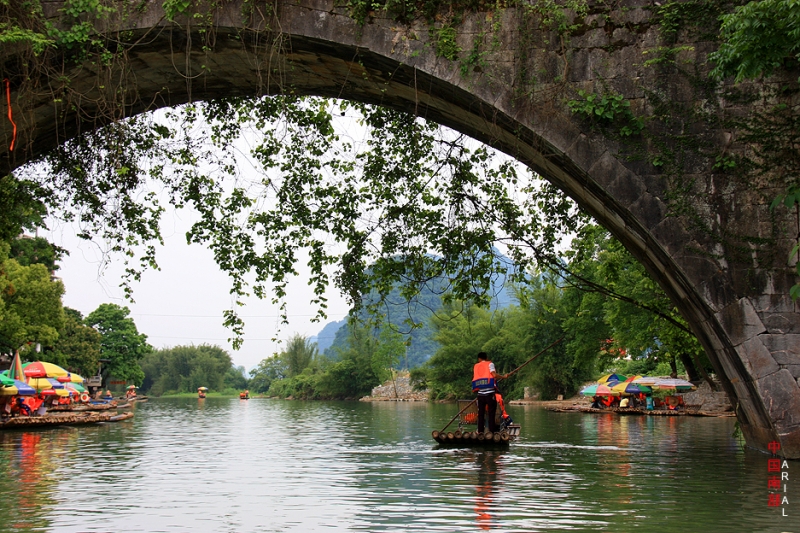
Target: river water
{"points": [[277, 466]]}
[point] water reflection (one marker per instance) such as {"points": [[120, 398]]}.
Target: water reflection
{"points": [[273, 466], [487, 482]]}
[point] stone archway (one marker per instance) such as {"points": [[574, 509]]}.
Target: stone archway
{"points": [[739, 309]]}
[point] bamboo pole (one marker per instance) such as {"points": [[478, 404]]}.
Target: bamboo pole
{"points": [[520, 367]]}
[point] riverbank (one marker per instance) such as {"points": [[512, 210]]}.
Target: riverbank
{"points": [[703, 402]]}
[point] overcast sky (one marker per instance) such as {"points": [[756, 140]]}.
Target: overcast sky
{"points": [[183, 302]]}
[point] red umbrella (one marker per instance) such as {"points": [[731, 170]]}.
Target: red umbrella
{"points": [[43, 369]]}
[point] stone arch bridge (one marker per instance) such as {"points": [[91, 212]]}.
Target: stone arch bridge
{"points": [[505, 77]]}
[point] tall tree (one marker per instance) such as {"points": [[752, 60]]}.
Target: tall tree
{"points": [[121, 342], [32, 250], [30, 304], [78, 346], [299, 353], [185, 368], [268, 370]]}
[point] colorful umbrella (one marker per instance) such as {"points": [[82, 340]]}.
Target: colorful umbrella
{"points": [[48, 386], [598, 389], [77, 388], [627, 387], [611, 377], [43, 369], [71, 378], [15, 371], [132, 387], [646, 380], [202, 388], [6, 381], [679, 385], [18, 388]]}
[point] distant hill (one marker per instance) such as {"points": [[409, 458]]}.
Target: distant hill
{"points": [[420, 310], [325, 338]]}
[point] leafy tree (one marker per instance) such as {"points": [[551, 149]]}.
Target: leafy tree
{"points": [[21, 206], [630, 309], [121, 342], [358, 368], [544, 309], [78, 346], [32, 250], [185, 368], [236, 378], [268, 370], [30, 304], [300, 352], [758, 38], [462, 330]]}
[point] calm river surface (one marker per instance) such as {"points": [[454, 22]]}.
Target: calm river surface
{"points": [[274, 466]]}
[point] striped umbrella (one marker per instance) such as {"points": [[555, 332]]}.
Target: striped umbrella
{"points": [[71, 378], [17, 388], [15, 371], [43, 369], [75, 388], [679, 385], [627, 387], [609, 378], [599, 389], [646, 380], [48, 387]]}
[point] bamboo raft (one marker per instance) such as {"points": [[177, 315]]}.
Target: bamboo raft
{"points": [[473, 438], [468, 416], [74, 408], [62, 419]]}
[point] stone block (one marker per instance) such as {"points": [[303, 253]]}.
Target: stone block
{"points": [[757, 359], [626, 187], [785, 348], [781, 396], [587, 154], [649, 210], [741, 322], [782, 323], [579, 66], [595, 38]]}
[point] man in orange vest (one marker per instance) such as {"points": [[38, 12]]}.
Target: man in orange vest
{"points": [[483, 383]]}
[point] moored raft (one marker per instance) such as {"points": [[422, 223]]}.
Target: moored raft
{"points": [[63, 419], [637, 411]]}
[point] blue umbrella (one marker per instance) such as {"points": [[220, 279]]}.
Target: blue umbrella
{"points": [[19, 388]]}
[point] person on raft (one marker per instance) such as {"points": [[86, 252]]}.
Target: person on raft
{"points": [[484, 376]]}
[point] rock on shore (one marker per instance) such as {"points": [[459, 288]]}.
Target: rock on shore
{"points": [[397, 390]]}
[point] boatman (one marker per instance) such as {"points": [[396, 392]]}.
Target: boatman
{"points": [[483, 383]]}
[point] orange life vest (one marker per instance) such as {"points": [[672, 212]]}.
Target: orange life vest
{"points": [[500, 405], [482, 379]]}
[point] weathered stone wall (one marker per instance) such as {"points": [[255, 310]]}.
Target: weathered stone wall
{"points": [[398, 389], [705, 399], [733, 294]]}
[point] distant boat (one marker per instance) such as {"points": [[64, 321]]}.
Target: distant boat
{"points": [[244, 395]]}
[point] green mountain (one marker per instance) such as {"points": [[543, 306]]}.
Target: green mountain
{"points": [[402, 313]]}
